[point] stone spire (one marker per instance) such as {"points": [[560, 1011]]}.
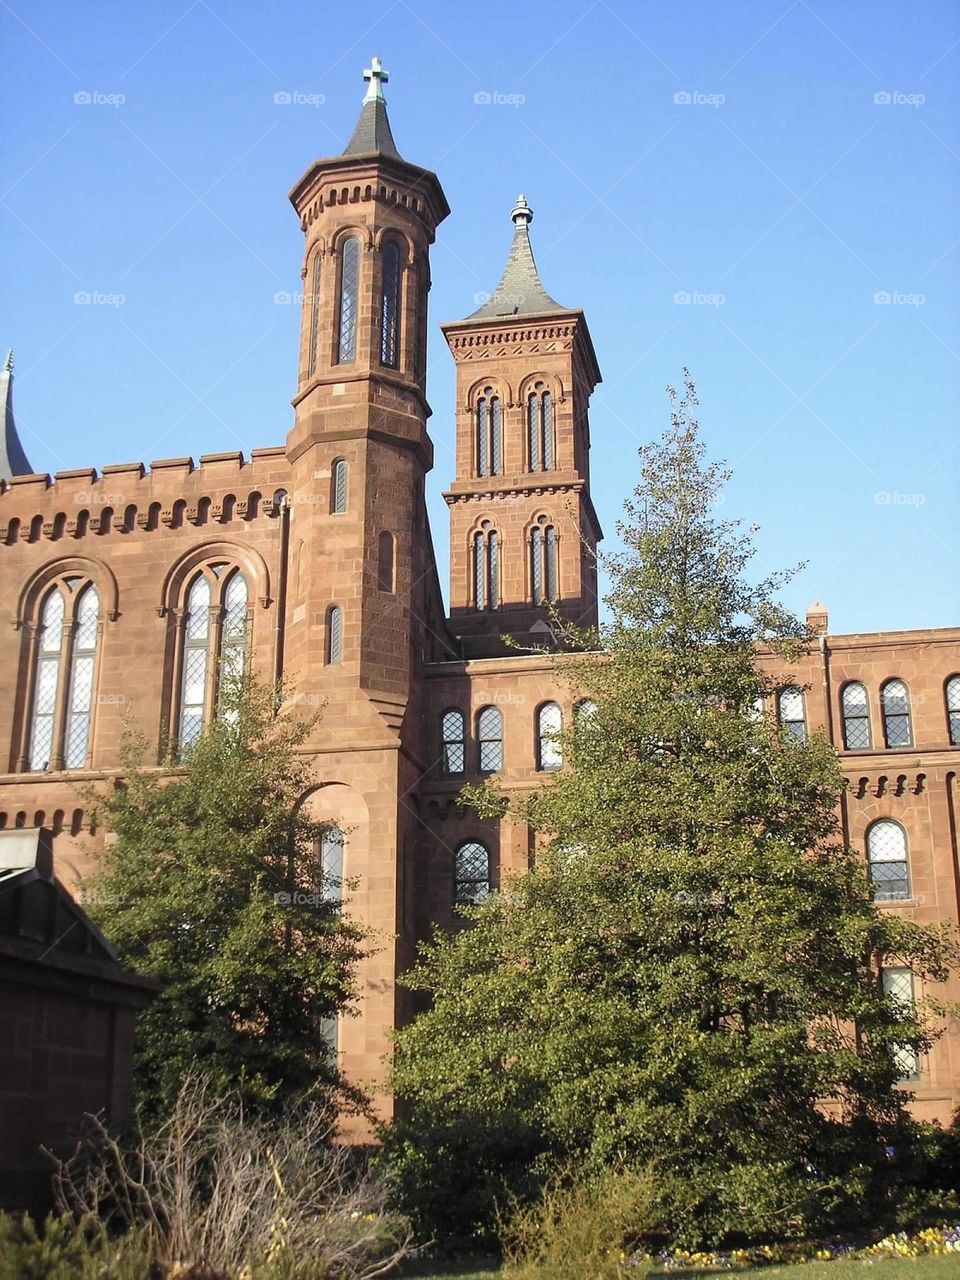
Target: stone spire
{"points": [[13, 460], [372, 136], [520, 292]]}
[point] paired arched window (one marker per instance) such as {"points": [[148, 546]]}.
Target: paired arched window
{"points": [[334, 647], [540, 450], [486, 567], [453, 742], [549, 728], [791, 713], [856, 717], [471, 873], [952, 695], [544, 577], [489, 434], [385, 562], [895, 704], [314, 312], [887, 858], [214, 645], [490, 740], [63, 689], [898, 984], [349, 300], [338, 487], [390, 305]]}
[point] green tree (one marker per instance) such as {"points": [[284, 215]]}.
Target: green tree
{"points": [[691, 974], [210, 883]]}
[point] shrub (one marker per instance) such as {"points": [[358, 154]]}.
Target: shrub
{"points": [[67, 1250]]}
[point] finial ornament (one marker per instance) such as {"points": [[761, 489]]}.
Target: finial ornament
{"points": [[376, 78], [8, 363], [521, 213]]}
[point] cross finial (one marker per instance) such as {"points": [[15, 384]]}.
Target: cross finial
{"points": [[521, 213], [376, 78]]}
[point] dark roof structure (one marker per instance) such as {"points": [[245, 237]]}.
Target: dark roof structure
{"points": [[13, 460], [520, 291], [373, 136]]}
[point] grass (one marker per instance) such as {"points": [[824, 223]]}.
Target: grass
{"points": [[923, 1268]]}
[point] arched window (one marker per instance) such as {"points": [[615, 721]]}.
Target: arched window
{"points": [[82, 667], [314, 313], [543, 562], [490, 740], [338, 487], [471, 879], [898, 984], [452, 733], [952, 694], [489, 434], [347, 311], [65, 662], [214, 645], [331, 865], [583, 712], [856, 717], [486, 567], [790, 710], [385, 565], [895, 702], [47, 682], [540, 445], [334, 635], [549, 728], [390, 306], [887, 858]]}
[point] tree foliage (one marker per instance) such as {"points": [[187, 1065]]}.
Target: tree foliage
{"points": [[210, 883], [691, 974]]}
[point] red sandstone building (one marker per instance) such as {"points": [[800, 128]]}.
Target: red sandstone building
{"points": [[124, 590]]}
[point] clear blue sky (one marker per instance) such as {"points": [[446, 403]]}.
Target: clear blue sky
{"points": [[782, 185]]}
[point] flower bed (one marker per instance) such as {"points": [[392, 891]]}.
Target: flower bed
{"points": [[940, 1240]]}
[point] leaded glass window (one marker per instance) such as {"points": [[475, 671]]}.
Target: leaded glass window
{"points": [[496, 440], [551, 584], [546, 408], [887, 858], [452, 732], [792, 715], [196, 661], [533, 432], [334, 635], [349, 286], [486, 567], [82, 665], [314, 312], [856, 717], [233, 632], [536, 564], [898, 985], [493, 570], [483, 438], [390, 306], [479, 570], [952, 693], [331, 865], [490, 740], [549, 728], [471, 873], [895, 701], [540, 433], [338, 487], [47, 681]]}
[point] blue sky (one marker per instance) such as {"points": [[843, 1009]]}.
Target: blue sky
{"points": [[784, 165]]}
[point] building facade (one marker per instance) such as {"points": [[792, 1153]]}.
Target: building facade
{"points": [[125, 591]]}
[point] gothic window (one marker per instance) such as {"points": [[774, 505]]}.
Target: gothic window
{"points": [[887, 858], [452, 732], [490, 740], [65, 658], [334, 635], [895, 702], [856, 717], [898, 984], [314, 313], [486, 567], [214, 645], [489, 434], [338, 487], [549, 728], [385, 565], [540, 431], [543, 562], [471, 873], [952, 693], [349, 299], [390, 306], [790, 709]]}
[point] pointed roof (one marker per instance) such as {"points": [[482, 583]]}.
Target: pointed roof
{"points": [[520, 291], [373, 136], [13, 460]]}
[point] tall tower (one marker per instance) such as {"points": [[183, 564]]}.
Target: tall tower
{"points": [[523, 530]]}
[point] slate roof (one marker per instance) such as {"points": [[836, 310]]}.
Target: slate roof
{"points": [[373, 133], [520, 291], [13, 460]]}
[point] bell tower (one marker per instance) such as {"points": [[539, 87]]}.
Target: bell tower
{"points": [[523, 530]]}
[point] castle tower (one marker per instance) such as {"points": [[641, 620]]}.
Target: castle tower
{"points": [[523, 530]]}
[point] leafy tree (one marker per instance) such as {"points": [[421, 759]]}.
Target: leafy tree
{"points": [[691, 974], [211, 884]]}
